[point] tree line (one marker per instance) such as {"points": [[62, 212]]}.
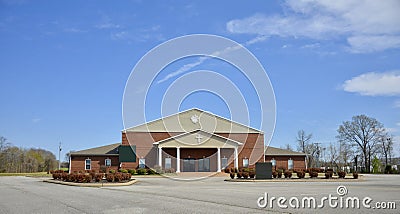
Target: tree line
{"points": [[360, 141], [14, 159]]}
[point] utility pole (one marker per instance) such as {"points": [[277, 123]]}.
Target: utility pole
{"points": [[59, 156]]}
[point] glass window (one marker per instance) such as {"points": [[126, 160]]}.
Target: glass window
{"points": [[108, 162], [167, 163], [88, 164], [224, 162], [290, 164], [142, 163], [245, 162], [273, 161]]}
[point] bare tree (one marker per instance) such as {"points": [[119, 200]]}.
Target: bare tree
{"points": [[303, 140], [288, 147], [364, 133], [387, 147]]}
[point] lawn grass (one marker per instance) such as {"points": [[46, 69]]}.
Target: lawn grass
{"points": [[33, 174]]}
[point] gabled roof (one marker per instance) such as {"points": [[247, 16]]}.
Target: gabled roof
{"points": [[198, 139], [272, 151], [110, 150], [193, 119]]}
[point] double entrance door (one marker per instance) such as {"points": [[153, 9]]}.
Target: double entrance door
{"points": [[189, 165]]}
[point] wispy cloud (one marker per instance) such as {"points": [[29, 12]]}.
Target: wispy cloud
{"points": [[74, 30], [375, 84], [357, 22], [397, 104], [107, 25], [36, 120], [201, 60]]}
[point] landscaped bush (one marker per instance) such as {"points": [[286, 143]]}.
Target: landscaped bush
{"points": [[170, 170], [227, 170], [318, 170], [288, 174], [355, 175], [158, 169], [112, 171], [280, 173], [388, 169], [232, 175], [301, 174], [274, 174], [252, 173], [239, 175], [328, 174], [342, 174], [132, 171], [313, 174], [150, 172], [118, 177], [110, 177], [123, 170], [98, 177], [126, 176], [141, 171], [245, 175]]}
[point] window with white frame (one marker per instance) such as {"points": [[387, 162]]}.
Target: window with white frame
{"points": [[273, 161], [88, 164], [142, 163], [290, 163], [224, 162], [168, 163], [108, 162], [245, 162]]}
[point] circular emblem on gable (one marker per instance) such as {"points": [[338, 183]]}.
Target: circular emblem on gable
{"points": [[194, 119]]}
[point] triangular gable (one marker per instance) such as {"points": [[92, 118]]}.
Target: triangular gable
{"points": [[198, 139], [193, 119]]}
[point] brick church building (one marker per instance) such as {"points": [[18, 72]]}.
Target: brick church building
{"points": [[189, 141]]}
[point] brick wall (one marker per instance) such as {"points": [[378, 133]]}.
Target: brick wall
{"points": [[78, 162]]}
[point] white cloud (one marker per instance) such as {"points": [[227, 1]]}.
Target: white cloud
{"points": [[397, 104], [361, 23], [36, 120], [375, 84], [200, 61], [398, 124], [107, 25]]}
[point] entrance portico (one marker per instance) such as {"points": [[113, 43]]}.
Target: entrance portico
{"points": [[197, 151]]}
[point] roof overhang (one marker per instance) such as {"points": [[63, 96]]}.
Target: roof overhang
{"points": [[198, 139]]}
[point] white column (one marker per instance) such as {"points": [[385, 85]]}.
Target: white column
{"points": [[178, 159], [219, 159], [236, 158], [160, 156]]}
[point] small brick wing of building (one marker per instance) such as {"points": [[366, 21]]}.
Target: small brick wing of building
{"points": [[189, 141]]}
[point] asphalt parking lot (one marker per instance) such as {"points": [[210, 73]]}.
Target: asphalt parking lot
{"points": [[211, 195]]}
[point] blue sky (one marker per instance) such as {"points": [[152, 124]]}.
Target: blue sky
{"points": [[64, 66]]}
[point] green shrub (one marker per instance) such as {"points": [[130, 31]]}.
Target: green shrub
{"points": [[132, 171], [151, 172], [112, 171], [123, 170], [141, 171]]}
